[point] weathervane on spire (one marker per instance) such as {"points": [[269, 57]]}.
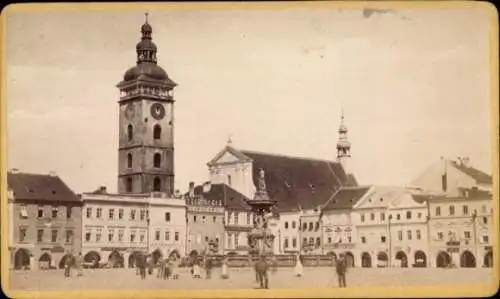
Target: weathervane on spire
{"points": [[146, 14], [230, 140]]}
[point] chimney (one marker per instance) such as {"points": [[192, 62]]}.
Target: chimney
{"points": [[191, 189], [52, 173], [14, 170], [465, 161], [206, 187], [103, 189]]}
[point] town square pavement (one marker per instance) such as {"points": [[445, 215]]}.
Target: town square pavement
{"points": [[244, 278]]}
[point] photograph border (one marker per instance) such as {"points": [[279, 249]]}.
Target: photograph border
{"points": [[487, 289]]}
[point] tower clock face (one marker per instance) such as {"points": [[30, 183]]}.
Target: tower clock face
{"points": [[129, 111], [157, 111]]}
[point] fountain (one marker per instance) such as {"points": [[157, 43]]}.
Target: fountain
{"points": [[260, 238]]}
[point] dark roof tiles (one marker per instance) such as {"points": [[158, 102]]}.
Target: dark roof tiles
{"points": [[476, 174], [27, 186], [345, 198]]}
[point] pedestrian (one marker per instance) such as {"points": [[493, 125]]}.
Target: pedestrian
{"points": [[150, 264], [208, 268], [161, 268], [298, 266], [174, 263], [224, 274], [262, 268], [79, 264], [341, 269], [274, 265], [196, 269], [140, 263], [67, 264]]}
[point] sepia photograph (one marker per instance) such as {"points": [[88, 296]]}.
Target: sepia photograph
{"points": [[250, 147]]}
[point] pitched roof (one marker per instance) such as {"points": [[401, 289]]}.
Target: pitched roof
{"points": [[296, 181], [232, 199], [239, 155], [27, 186], [351, 180], [468, 194], [345, 198], [476, 174]]}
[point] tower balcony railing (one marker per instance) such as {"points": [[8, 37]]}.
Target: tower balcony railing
{"points": [[146, 92]]}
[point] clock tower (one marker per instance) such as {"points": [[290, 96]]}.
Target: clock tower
{"points": [[146, 123]]}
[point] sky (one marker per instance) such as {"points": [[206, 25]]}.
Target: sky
{"points": [[413, 84]]}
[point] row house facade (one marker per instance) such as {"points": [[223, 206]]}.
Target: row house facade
{"points": [[205, 218], [44, 221], [116, 227], [458, 198]]}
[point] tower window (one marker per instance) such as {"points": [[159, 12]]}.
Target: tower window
{"points": [[128, 185], [229, 180], [130, 132], [129, 160], [157, 132], [157, 160], [157, 184]]}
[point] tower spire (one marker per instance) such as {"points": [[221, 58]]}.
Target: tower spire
{"points": [[146, 49], [343, 144]]}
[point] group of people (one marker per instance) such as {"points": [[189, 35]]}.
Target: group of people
{"points": [[72, 261], [208, 264]]}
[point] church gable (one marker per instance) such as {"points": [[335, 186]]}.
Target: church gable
{"points": [[228, 155]]}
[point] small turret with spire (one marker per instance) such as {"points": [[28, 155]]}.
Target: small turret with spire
{"points": [[343, 145]]}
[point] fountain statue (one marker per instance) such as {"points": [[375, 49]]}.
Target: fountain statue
{"points": [[260, 238]]}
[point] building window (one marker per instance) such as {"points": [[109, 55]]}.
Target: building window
{"points": [[408, 215], [110, 236], [69, 236], [485, 239], [229, 180], [142, 215], [311, 226], [39, 235], [22, 234], [176, 236], [214, 218], [418, 234], [167, 236], [286, 225], [157, 184], [89, 212], [248, 218], [362, 217], [98, 235], [372, 216], [120, 236], [132, 214], [294, 243], [111, 213], [132, 237], [329, 240], [54, 236], [128, 185], [167, 216], [485, 220], [40, 212], [440, 235], [363, 239], [419, 215], [99, 213], [142, 237], [229, 240], [129, 160], [130, 132], [311, 241], [88, 236], [382, 239], [157, 160], [318, 241], [157, 132], [54, 212], [465, 210], [452, 210], [294, 225], [382, 216], [316, 226], [194, 218], [409, 234], [157, 235], [467, 235], [236, 240], [398, 217], [120, 214], [285, 243], [304, 242], [400, 235], [438, 211], [24, 212], [304, 226], [236, 218]]}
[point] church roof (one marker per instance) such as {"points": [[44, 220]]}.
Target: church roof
{"points": [[42, 187]]}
